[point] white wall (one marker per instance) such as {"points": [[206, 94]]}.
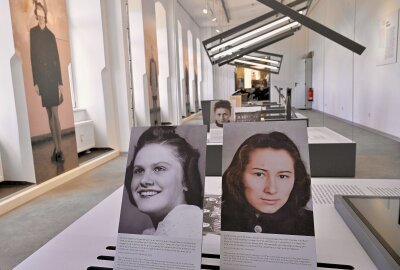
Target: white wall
{"points": [[293, 50], [191, 70], [218, 81], [224, 81], [376, 88], [163, 60], [199, 71], [141, 99], [174, 84], [316, 43], [88, 64], [207, 69], [335, 83], [181, 70], [117, 105], [15, 143], [373, 101], [196, 33]]}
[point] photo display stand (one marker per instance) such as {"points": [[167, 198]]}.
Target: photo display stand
{"points": [[266, 213], [248, 114], [221, 112], [161, 213]]}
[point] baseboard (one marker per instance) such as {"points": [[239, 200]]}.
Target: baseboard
{"points": [[378, 132], [48, 136], [14, 201]]}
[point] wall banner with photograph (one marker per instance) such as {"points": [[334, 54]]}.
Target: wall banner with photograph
{"points": [[266, 213], [221, 112], [152, 63], [161, 214], [40, 30]]}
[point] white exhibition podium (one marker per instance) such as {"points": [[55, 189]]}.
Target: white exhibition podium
{"points": [[89, 243]]}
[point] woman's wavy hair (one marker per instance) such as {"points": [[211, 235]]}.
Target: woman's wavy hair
{"points": [[41, 6], [232, 177], [185, 153]]}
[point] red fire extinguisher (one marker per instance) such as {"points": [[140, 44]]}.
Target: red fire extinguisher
{"points": [[310, 94]]}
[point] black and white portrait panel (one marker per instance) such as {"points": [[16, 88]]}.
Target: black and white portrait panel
{"points": [[221, 112], [164, 182], [266, 184]]}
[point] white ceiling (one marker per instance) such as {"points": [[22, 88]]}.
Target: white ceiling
{"points": [[239, 11]]}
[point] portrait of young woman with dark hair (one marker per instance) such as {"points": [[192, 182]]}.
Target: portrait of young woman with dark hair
{"points": [[163, 181], [266, 188]]}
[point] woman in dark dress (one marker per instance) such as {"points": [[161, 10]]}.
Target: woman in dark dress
{"points": [[46, 73], [266, 188]]}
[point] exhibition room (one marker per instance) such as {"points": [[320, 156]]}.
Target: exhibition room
{"points": [[199, 134]]}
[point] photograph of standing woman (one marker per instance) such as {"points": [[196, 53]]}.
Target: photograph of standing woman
{"points": [[46, 73], [164, 182], [267, 186], [42, 49]]}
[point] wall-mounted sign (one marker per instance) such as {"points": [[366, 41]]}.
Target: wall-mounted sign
{"points": [[387, 43]]}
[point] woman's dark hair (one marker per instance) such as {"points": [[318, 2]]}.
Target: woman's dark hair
{"points": [[185, 153], [39, 5], [232, 178]]}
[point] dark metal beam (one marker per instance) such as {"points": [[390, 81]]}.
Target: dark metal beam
{"points": [[248, 24], [315, 26], [225, 10], [244, 41]]}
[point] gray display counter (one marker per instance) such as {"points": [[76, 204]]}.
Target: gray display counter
{"points": [[331, 154]]}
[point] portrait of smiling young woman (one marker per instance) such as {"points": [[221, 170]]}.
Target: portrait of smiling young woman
{"points": [[266, 188], [164, 183]]}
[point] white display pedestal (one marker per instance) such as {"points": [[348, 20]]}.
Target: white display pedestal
{"points": [[84, 130], [80, 245], [331, 154]]}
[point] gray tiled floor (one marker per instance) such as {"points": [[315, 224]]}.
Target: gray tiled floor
{"points": [[9, 188], [27, 228]]}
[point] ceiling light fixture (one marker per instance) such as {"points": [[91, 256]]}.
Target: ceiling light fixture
{"points": [[214, 19], [256, 64], [251, 33], [261, 59], [217, 30], [255, 40], [205, 11]]}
